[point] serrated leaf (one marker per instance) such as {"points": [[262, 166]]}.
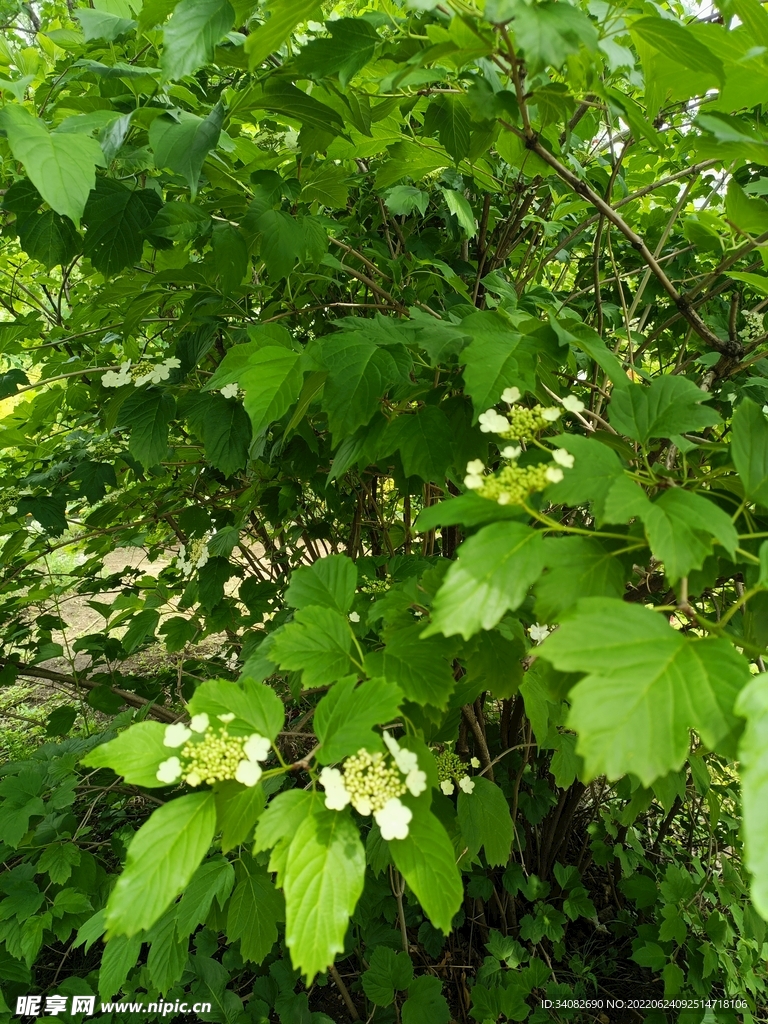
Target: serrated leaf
{"points": [[646, 687], [426, 860], [749, 449], [284, 16], [162, 858], [98, 24], [359, 374], [256, 706], [421, 668], [491, 575], [272, 383], [121, 953], [424, 442], [62, 167], [323, 880], [135, 754], [214, 879], [255, 909], [346, 715], [330, 582], [485, 821], [148, 412], [168, 953], [681, 526], [317, 643], [182, 142], [678, 43], [671, 405], [350, 47], [497, 358], [753, 705], [425, 1003], [577, 567], [191, 34], [448, 117], [116, 218], [388, 971], [48, 238]]}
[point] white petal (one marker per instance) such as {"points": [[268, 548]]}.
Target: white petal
{"points": [[199, 723], [336, 799], [551, 414], [416, 781], [393, 819], [510, 395], [475, 762], [406, 761], [476, 467], [362, 806], [472, 482], [466, 784], [354, 617], [573, 404], [256, 748], [169, 771], [248, 772], [553, 474], [229, 717], [176, 735], [563, 458], [447, 787], [391, 743], [511, 451], [193, 779]]}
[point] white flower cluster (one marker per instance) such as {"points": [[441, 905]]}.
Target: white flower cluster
{"points": [[755, 326], [195, 557], [140, 374], [513, 483], [452, 771], [538, 632], [373, 786], [209, 754]]}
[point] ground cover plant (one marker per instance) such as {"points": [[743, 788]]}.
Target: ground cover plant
{"points": [[384, 476]]}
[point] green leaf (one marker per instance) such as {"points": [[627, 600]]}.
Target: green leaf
{"points": [[179, 222], [494, 663], [284, 16], [230, 255], [140, 629], [191, 34], [117, 218], [751, 215], [549, 32], [359, 374], [181, 142], [224, 428], [281, 97], [425, 1003], [168, 953], [346, 715], [753, 769], [48, 238], [426, 860], [214, 879], [58, 859], [254, 911], [749, 449], [323, 880], [135, 754], [237, 811], [62, 167], [402, 200], [328, 186], [282, 242], [272, 382], [330, 582], [388, 971], [349, 49], [103, 25], [162, 858], [646, 686], [317, 643], [120, 954], [148, 412], [497, 358], [679, 44], [459, 207], [671, 405], [595, 471], [94, 478], [491, 575], [577, 567], [447, 116], [424, 442], [421, 668], [485, 821], [680, 527], [256, 706]]}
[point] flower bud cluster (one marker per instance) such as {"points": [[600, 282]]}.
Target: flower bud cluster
{"points": [[195, 556], [373, 784], [755, 327], [452, 771], [209, 754]]}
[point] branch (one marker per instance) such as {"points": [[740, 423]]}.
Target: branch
{"points": [[581, 188]]}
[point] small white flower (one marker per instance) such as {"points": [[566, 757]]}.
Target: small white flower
{"points": [[503, 499], [111, 379], [416, 781], [248, 772], [256, 747], [466, 784], [354, 617], [226, 719], [476, 467], [230, 390], [199, 723], [447, 787], [393, 819], [176, 735], [363, 806], [170, 770], [538, 633], [563, 458], [510, 395], [158, 373], [475, 762], [512, 451], [336, 795], [473, 482], [405, 759], [553, 474], [492, 422], [573, 404], [193, 779], [203, 559], [551, 414]]}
